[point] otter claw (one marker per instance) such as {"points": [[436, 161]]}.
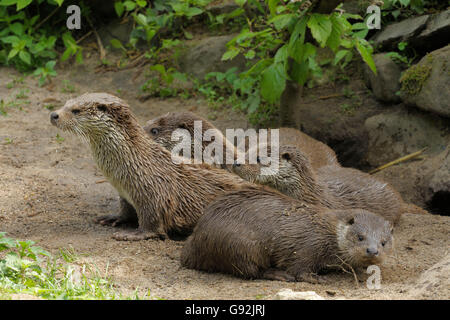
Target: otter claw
{"points": [[112, 220], [137, 236]]}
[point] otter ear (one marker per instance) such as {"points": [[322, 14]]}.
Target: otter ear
{"points": [[182, 125], [286, 156]]}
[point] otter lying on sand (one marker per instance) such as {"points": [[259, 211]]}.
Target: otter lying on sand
{"points": [[257, 232], [162, 127], [334, 187], [162, 196]]}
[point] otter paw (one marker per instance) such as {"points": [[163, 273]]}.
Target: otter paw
{"points": [[278, 275], [137, 236], [311, 278], [111, 220]]}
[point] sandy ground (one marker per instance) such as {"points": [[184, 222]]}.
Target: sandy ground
{"points": [[51, 190]]}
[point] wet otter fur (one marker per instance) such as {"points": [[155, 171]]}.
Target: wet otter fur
{"points": [[257, 232], [162, 196], [161, 128], [334, 187]]}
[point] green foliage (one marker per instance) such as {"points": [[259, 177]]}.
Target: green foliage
{"points": [[27, 268], [277, 50]]}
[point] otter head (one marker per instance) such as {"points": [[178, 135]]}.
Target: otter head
{"points": [[161, 128], [363, 237], [293, 169], [95, 116]]}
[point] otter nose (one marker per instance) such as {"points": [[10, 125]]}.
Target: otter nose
{"points": [[372, 251], [54, 116], [236, 164]]}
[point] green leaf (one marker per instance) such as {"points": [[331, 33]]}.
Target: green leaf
{"points": [[301, 52], [240, 2], [273, 7], [282, 54], [25, 57], [119, 7], [116, 44], [320, 26], [366, 55], [281, 21], [129, 5], [298, 32], [59, 2], [299, 72], [16, 28], [230, 54], [337, 30], [250, 54], [273, 82], [188, 35], [11, 39], [339, 55], [13, 53], [22, 4]]}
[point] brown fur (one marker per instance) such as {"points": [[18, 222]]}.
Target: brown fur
{"points": [[161, 129], [162, 196], [334, 187], [257, 232]]}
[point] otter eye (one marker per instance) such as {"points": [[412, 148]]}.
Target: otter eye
{"points": [[360, 238], [75, 111], [101, 108], [154, 131], [383, 243]]}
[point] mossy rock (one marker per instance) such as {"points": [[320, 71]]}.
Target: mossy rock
{"points": [[426, 85]]}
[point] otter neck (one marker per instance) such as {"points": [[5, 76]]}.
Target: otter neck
{"points": [[305, 188], [125, 159]]}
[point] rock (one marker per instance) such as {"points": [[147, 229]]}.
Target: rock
{"points": [[222, 7], [427, 84], [288, 294], [436, 33], [206, 56], [403, 131], [385, 84], [404, 30], [434, 283], [437, 193]]}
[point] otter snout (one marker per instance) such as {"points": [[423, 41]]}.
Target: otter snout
{"points": [[236, 164], [54, 116], [372, 252]]}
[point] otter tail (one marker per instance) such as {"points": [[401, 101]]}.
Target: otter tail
{"points": [[412, 208]]}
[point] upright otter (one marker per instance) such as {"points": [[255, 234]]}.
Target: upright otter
{"points": [[162, 127], [257, 232], [164, 197], [334, 187]]}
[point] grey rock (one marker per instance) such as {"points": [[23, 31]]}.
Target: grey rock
{"points": [[433, 93], [405, 30], [288, 294], [205, 56], [401, 132], [436, 33], [385, 84]]}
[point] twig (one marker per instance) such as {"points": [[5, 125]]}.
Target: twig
{"points": [[336, 95], [84, 37], [101, 181], [99, 41], [399, 160], [46, 18]]}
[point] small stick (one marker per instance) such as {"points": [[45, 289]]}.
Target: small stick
{"points": [[99, 41], [84, 37], [46, 18], [399, 160], [336, 95], [101, 181]]}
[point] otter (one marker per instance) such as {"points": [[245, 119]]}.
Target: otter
{"points": [[163, 197], [334, 187], [161, 128], [257, 232]]}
